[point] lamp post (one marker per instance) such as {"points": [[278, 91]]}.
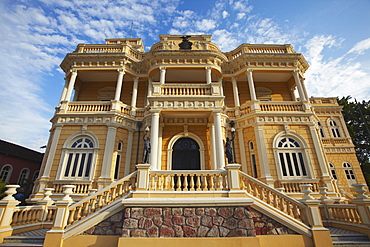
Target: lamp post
{"points": [[232, 124], [146, 152], [138, 141]]}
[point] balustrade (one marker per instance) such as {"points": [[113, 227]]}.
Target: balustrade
{"points": [[89, 107], [289, 106], [273, 197], [294, 187], [188, 181], [344, 213], [79, 189], [185, 89], [100, 199]]}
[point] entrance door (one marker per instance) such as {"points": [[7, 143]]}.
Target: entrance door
{"points": [[185, 155]]}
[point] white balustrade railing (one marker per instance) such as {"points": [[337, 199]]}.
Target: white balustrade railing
{"points": [[102, 198], [178, 180], [76, 106], [273, 197], [185, 89], [281, 106]]}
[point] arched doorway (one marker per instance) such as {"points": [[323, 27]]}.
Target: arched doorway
{"points": [[185, 154]]}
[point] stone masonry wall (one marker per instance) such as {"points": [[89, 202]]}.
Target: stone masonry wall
{"points": [[189, 222]]}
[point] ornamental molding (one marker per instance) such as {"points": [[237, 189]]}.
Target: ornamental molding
{"points": [[186, 104], [329, 150]]}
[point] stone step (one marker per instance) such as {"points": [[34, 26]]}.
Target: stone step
{"points": [[351, 243], [349, 237]]}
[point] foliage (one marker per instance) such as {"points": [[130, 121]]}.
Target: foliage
{"points": [[357, 117], [2, 188]]}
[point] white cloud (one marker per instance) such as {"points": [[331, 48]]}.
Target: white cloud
{"points": [[240, 16], [206, 25], [361, 47], [333, 77], [225, 14]]}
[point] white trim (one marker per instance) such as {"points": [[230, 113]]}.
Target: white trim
{"points": [[181, 135], [7, 178]]}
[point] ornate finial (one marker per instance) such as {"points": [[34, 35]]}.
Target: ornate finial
{"points": [[185, 44]]}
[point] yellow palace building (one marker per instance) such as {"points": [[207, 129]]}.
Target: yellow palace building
{"points": [[186, 144]]}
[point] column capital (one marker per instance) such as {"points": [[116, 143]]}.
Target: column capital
{"points": [[208, 68], [296, 71], [249, 70], [136, 79], [73, 71], [121, 71], [162, 68]]}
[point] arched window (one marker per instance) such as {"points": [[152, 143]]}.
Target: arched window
{"points": [[334, 129], [23, 175], [6, 172], [321, 130], [333, 171], [78, 159], [350, 175], [35, 175], [291, 159]]}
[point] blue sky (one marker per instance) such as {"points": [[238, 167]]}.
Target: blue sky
{"points": [[333, 35]]}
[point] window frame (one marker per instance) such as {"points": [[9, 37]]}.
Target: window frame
{"points": [[349, 172], [23, 177], [9, 173], [299, 167], [69, 155]]}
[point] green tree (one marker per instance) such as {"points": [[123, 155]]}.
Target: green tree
{"points": [[357, 117]]}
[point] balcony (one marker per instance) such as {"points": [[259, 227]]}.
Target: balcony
{"points": [[186, 96]]}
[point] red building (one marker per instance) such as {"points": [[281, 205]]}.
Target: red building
{"points": [[19, 165]]}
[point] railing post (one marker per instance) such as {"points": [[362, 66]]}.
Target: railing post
{"points": [[142, 176], [320, 234], [7, 205], [55, 236], [325, 200], [362, 202], [45, 203], [233, 179]]}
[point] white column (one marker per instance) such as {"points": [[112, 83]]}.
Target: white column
{"points": [[242, 150], [319, 152], [208, 75], [235, 92], [162, 76], [304, 89], [262, 155], [51, 152], [117, 95], [71, 84], [220, 156], [213, 147], [134, 92], [154, 139], [65, 88], [108, 153], [299, 85], [150, 79], [159, 158], [128, 152], [251, 85]]}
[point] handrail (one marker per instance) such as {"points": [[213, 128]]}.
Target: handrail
{"points": [[101, 198], [274, 198]]}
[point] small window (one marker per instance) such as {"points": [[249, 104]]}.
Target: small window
{"points": [[118, 160], [23, 176], [35, 175], [334, 129], [6, 172], [321, 130], [333, 172], [349, 173]]}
